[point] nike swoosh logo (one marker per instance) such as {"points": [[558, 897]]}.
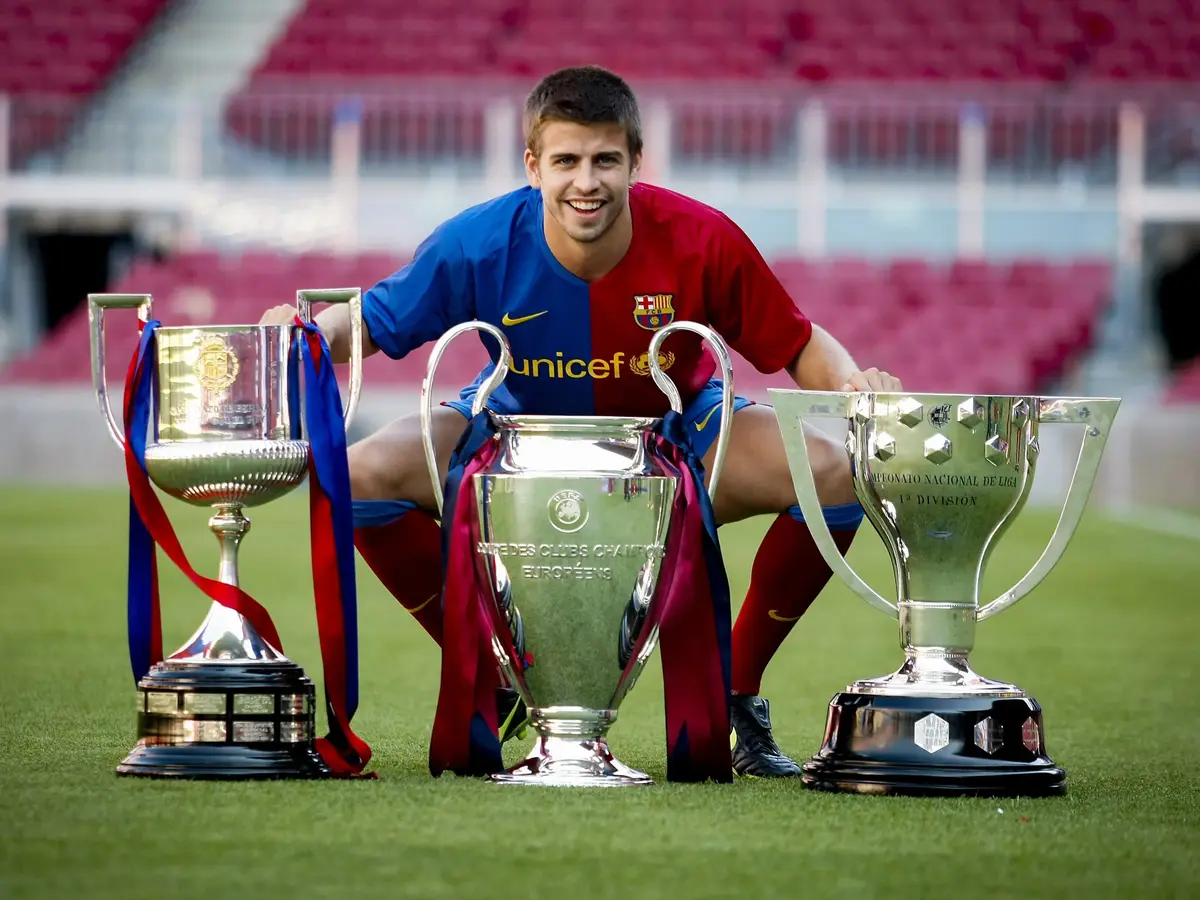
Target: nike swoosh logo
{"points": [[778, 618], [509, 320], [414, 609], [700, 425]]}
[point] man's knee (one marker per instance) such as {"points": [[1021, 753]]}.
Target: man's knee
{"points": [[831, 470], [391, 464], [371, 476]]}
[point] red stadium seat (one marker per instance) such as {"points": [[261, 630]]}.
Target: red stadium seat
{"points": [[968, 325], [1185, 386], [1028, 43]]}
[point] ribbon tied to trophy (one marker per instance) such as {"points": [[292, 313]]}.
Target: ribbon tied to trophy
{"points": [[331, 528]]}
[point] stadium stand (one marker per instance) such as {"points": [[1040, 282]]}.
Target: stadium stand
{"points": [[997, 327], [817, 40], [55, 55], [353, 47], [67, 47]]}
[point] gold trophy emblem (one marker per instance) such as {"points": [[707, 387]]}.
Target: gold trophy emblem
{"points": [[217, 366]]}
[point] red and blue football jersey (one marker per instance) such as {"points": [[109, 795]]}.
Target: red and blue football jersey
{"points": [[580, 348]]}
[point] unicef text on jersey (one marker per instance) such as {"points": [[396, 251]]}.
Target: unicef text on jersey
{"points": [[559, 367]]}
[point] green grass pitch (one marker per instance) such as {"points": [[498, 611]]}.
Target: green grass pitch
{"points": [[1107, 644]]}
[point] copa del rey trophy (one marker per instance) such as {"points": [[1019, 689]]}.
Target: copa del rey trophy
{"points": [[941, 477], [220, 427], [575, 519]]}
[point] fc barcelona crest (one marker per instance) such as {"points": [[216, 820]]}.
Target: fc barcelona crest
{"points": [[653, 311]]}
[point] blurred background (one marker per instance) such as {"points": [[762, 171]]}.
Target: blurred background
{"points": [[979, 195]]}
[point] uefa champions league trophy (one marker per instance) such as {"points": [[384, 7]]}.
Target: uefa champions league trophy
{"points": [[226, 434], [574, 515], [941, 477]]}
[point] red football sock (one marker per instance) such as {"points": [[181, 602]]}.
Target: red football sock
{"points": [[406, 555], [788, 574]]}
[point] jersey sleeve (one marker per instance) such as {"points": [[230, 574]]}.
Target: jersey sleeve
{"points": [[749, 306], [420, 302]]}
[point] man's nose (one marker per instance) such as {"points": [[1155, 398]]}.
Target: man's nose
{"points": [[585, 179]]}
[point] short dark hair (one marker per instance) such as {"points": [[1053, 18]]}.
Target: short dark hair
{"points": [[586, 95]]}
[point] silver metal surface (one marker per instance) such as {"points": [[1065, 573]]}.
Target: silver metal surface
{"points": [[97, 304], [481, 395], [941, 477], [667, 386], [353, 297], [574, 515], [225, 434], [1031, 736], [1096, 415], [989, 735], [931, 733]]}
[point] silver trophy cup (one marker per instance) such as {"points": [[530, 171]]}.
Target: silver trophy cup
{"points": [[941, 477], [226, 435], [574, 517]]}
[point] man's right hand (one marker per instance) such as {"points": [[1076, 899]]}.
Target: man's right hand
{"points": [[279, 315], [334, 323]]}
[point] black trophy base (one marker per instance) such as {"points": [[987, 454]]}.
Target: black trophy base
{"points": [[934, 746], [226, 721]]}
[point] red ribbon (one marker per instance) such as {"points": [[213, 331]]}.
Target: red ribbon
{"points": [[163, 534]]}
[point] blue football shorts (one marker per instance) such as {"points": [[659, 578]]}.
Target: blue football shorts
{"points": [[703, 414]]}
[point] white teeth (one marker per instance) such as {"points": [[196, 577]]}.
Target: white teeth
{"points": [[585, 205]]}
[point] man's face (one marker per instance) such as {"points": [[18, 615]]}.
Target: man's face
{"points": [[584, 173]]}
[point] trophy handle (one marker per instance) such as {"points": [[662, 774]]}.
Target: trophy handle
{"points": [[97, 304], [791, 407], [1098, 415], [353, 296], [667, 386], [481, 396]]}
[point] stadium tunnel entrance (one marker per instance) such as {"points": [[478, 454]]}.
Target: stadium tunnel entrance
{"points": [[56, 262]]}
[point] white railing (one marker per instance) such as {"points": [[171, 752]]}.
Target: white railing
{"points": [[766, 149]]}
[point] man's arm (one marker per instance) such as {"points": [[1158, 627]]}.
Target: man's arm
{"points": [[825, 365], [415, 305], [334, 322], [760, 320]]}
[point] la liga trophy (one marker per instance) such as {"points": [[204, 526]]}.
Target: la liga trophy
{"points": [[941, 477]]}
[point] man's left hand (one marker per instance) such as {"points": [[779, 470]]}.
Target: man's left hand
{"points": [[872, 380]]}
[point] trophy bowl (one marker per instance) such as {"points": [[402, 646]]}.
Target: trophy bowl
{"points": [[941, 477], [574, 516]]}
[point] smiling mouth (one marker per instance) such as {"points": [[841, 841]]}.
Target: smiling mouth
{"points": [[585, 206]]}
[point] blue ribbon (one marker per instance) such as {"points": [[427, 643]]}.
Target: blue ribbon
{"points": [[142, 593], [326, 432]]}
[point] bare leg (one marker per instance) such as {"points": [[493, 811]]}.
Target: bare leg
{"points": [[390, 464], [401, 541], [756, 480]]}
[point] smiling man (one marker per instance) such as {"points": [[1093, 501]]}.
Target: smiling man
{"points": [[579, 269]]}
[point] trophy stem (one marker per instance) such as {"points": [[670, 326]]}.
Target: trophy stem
{"points": [[225, 635], [574, 761], [230, 525]]}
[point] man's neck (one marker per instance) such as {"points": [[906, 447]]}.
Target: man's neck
{"points": [[591, 261]]}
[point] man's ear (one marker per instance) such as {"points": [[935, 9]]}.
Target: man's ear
{"points": [[636, 171], [531, 169]]}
